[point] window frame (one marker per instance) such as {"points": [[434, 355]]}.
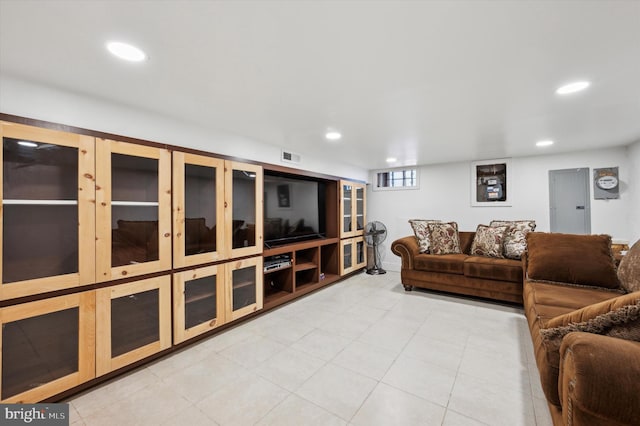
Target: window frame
{"points": [[376, 173]]}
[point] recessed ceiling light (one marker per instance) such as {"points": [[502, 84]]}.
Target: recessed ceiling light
{"points": [[28, 144], [544, 143], [333, 136], [391, 160], [126, 51], [572, 87]]}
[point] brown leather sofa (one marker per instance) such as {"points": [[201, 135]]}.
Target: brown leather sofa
{"points": [[492, 278], [585, 327]]}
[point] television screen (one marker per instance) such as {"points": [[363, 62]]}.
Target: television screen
{"points": [[294, 209]]}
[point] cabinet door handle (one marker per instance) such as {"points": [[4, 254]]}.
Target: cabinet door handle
{"points": [[579, 207]]}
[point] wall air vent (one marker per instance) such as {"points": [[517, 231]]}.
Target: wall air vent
{"points": [[290, 157]]}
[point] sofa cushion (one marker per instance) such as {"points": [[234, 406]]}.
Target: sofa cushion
{"points": [[567, 296], [448, 263], [575, 259], [515, 240], [493, 268], [629, 269], [443, 238], [545, 301], [421, 232], [618, 317], [488, 241]]}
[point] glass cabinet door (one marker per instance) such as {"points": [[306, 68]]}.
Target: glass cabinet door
{"points": [[133, 321], [360, 252], [198, 302], [48, 214], [353, 255], [346, 254], [352, 209], [346, 209], [359, 208], [133, 218], [48, 347], [243, 208], [245, 292], [198, 206]]}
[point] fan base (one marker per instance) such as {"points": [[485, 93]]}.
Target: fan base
{"points": [[376, 271]]}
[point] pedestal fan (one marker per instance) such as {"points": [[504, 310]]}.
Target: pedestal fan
{"points": [[374, 234]]}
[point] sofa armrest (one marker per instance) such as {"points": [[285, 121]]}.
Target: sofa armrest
{"points": [[599, 380], [406, 248]]}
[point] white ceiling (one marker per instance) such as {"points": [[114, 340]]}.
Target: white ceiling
{"points": [[422, 81]]}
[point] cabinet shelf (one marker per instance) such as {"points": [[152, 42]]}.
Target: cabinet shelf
{"points": [[41, 202], [203, 296], [135, 203], [305, 266], [243, 284]]}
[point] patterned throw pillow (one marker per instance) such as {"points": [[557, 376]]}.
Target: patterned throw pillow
{"points": [[488, 241], [515, 240], [444, 238], [421, 232], [629, 269]]}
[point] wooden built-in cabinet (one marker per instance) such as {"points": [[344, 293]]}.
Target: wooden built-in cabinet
{"points": [[217, 209], [313, 264], [198, 209], [353, 220], [352, 254], [133, 209], [48, 210], [243, 208], [199, 301], [111, 248], [352, 208], [133, 321], [48, 346], [244, 287]]}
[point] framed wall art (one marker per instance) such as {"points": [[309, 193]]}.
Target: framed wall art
{"points": [[491, 183]]}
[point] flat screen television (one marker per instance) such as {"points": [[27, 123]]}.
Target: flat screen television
{"points": [[294, 208]]}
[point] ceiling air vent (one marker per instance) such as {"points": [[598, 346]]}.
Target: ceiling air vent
{"points": [[290, 157]]}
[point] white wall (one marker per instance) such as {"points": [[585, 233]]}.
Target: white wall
{"points": [[633, 152], [26, 99], [445, 194]]}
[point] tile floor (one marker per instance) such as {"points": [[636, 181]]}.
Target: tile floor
{"points": [[361, 352]]}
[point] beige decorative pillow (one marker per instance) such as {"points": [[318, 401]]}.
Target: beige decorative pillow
{"points": [[421, 232], [488, 241], [515, 240], [629, 269], [444, 238]]}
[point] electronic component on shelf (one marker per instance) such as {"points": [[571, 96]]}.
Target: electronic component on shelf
{"points": [[274, 263]]}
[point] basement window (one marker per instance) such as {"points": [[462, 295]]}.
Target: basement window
{"points": [[395, 179]]}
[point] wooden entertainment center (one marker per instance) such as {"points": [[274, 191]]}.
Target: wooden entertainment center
{"points": [[116, 251]]}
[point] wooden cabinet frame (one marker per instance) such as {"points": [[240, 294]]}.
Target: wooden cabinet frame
{"points": [[180, 159], [104, 149], [105, 362], [180, 332], [350, 194], [241, 264], [85, 302], [86, 211], [230, 166], [353, 250]]}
